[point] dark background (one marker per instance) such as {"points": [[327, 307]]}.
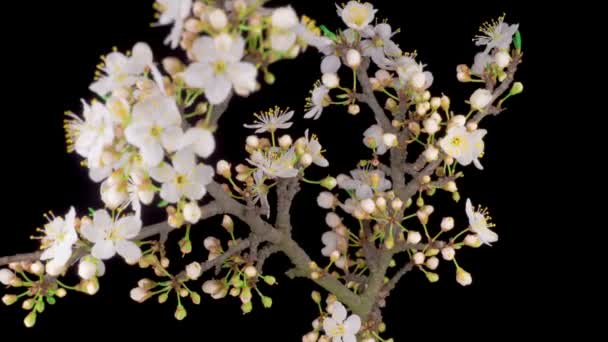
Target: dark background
{"points": [[47, 70]]}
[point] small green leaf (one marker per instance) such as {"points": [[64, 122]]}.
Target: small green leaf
{"points": [[162, 204], [517, 41], [91, 212], [327, 33]]}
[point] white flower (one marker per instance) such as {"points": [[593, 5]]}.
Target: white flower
{"points": [[92, 134], [373, 138], [184, 178], [409, 72], [219, 68], [340, 328], [122, 71], [200, 139], [330, 242], [478, 221], [379, 46], [365, 182], [464, 146], [174, 12], [218, 19], [312, 147], [113, 236], [357, 15], [275, 163], [156, 124], [60, 236], [480, 99], [309, 35], [260, 191], [271, 120], [496, 34], [317, 101], [282, 40]]}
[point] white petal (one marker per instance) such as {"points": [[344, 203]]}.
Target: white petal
{"points": [[141, 57], [197, 74], [194, 191], [338, 312], [170, 193], [129, 226], [163, 173], [184, 162], [203, 174], [152, 154], [218, 91], [138, 134], [384, 30], [92, 233], [243, 77], [171, 137], [201, 139], [202, 47], [102, 220], [330, 64], [349, 338], [103, 250], [128, 250], [352, 325]]}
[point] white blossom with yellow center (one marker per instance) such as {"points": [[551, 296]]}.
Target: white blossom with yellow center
{"points": [[111, 236], [480, 225], [60, 236], [357, 15], [464, 146], [219, 67], [339, 327]]}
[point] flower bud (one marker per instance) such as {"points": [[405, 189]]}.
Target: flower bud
{"points": [[435, 103], [194, 270], [472, 240], [145, 196], [397, 204], [61, 293], [432, 263], [418, 80], [381, 203], [389, 139], [28, 304], [334, 256], [212, 286], [448, 253], [30, 320], [284, 18], [192, 212], [223, 169], [447, 224], [217, 19], [306, 160], [6, 276], [330, 80], [353, 58], [326, 200], [502, 59], [463, 277], [253, 141], [329, 182], [173, 65], [418, 258], [180, 312], [316, 297], [431, 154], [368, 205], [9, 299], [332, 220], [480, 99], [87, 269], [517, 88], [228, 223], [285, 141], [354, 109], [432, 276], [138, 294], [413, 237], [250, 271]]}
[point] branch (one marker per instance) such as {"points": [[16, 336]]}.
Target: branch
{"points": [[287, 189], [369, 98], [20, 257], [218, 261], [395, 279]]}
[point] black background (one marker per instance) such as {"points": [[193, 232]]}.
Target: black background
{"points": [[53, 51]]}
